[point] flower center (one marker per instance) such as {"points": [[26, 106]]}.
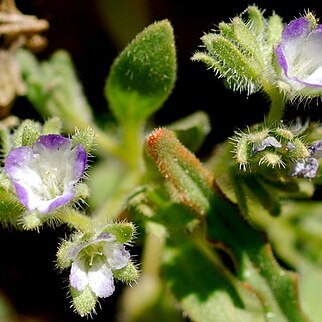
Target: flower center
{"points": [[53, 184]]}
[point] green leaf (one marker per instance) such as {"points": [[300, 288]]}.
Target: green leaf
{"points": [[239, 69], [176, 218], [205, 290], [274, 30], [310, 290], [256, 20], [54, 89], [106, 178], [248, 40], [192, 130], [143, 75], [256, 263], [10, 209], [148, 301]]}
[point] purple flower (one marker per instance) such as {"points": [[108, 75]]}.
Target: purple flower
{"points": [[299, 56], [306, 168], [93, 263], [44, 175]]}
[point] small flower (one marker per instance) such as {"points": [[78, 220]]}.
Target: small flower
{"points": [[93, 263], [270, 141], [44, 175], [316, 149], [299, 56], [306, 168]]}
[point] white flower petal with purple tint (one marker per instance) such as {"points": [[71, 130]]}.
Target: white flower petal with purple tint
{"points": [[93, 262], [117, 256], [44, 175], [100, 279], [78, 275], [98, 276], [299, 57]]}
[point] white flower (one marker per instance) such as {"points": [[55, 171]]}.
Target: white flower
{"points": [[93, 263], [299, 57], [44, 175]]}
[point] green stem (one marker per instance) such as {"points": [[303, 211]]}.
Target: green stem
{"points": [[130, 153], [75, 219], [277, 107], [132, 145], [151, 258]]}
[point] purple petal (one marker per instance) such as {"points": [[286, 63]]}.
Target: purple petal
{"points": [[57, 202], [281, 58], [22, 194], [296, 28], [270, 141], [17, 158], [52, 141], [80, 161], [316, 149], [298, 55]]}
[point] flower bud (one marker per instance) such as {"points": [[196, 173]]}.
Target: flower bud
{"points": [[63, 254], [31, 221], [26, 134], [53, 125], [123, 232], [127, 274], [86, 138]]}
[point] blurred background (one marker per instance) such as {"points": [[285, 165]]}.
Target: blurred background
{"points": [[94, 32]]}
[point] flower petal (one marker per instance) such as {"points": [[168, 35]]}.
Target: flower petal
{"points": [[116, 254], [103, 237], [80, 161], [297, 28], [100, 279], [51, 142], [78, 277], [299, 56]]}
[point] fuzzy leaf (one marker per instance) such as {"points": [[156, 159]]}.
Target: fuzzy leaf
{"points": [[256, 20], [143, 75], [240, 71], [204, 290], [310, 290], [192, 130], [274, 30], [256, 263], [10, 209], [54, 89], [247, 40]]}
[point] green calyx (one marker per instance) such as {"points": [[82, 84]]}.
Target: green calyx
{"points": [[123, 232], [83, 302], [271, 147]]}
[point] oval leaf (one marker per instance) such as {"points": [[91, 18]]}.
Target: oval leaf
{"points": [[143, 75]]}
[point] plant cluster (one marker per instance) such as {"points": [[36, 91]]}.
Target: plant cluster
{"points": [[213, 234]]}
